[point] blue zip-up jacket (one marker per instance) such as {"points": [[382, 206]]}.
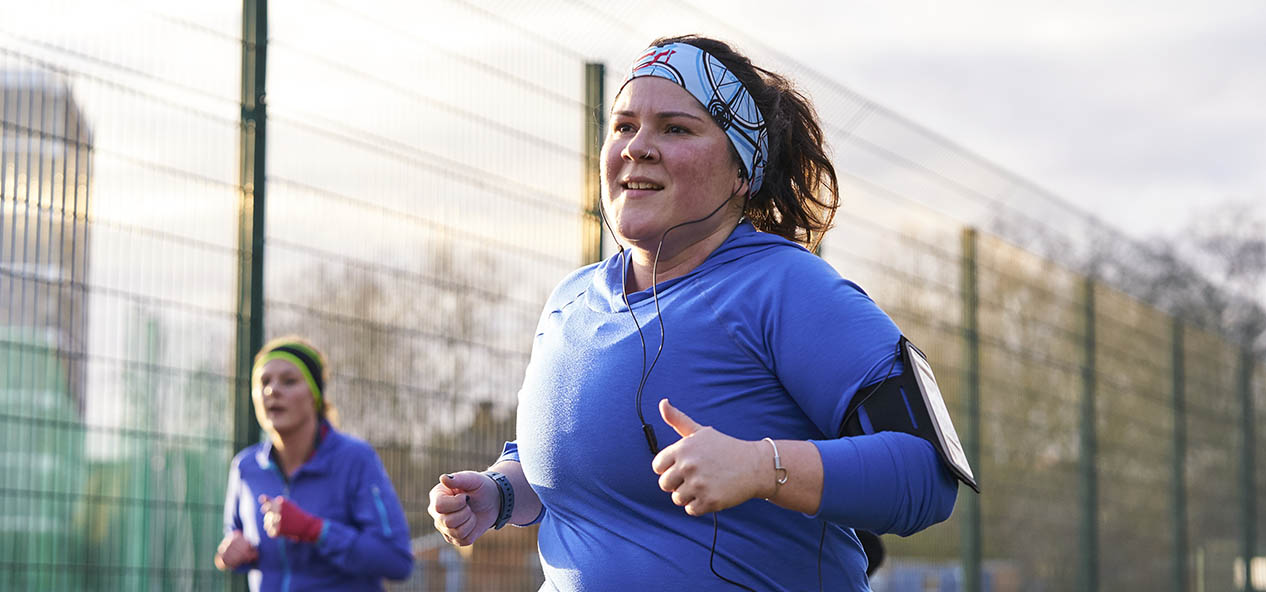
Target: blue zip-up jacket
{"points": [[365, 537]]}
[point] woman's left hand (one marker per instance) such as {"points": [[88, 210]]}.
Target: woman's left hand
{"points": [[707, 471], [283, 517]]}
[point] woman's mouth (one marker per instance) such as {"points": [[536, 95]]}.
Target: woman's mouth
{"points": [[639, 187]]}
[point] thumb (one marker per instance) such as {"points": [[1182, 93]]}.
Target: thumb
{"points": [[462, 480], [677, 420]]}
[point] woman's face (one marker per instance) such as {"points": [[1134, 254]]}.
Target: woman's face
{"points": [[283, 400], [665, 162]]}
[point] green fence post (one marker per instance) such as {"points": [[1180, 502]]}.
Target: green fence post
{"points": [[250, 238], [971, 552], [595, 129], [1181, 578], [250, 285], [250, 305], [1089, 478], [1248, 546]]}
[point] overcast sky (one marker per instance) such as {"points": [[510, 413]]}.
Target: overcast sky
{"points": [[1142, 112], [1145, 113]]}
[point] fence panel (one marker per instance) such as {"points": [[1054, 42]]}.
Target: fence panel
{"points": [[1135, 428], [1213, 442], [118, 198], [1259, 474], [1031, 325], [425, 196]]}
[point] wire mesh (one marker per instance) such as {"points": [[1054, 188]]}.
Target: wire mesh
{"points": [[1031, 356], [118, 215], [1135, 458], [424, 199], [1212, 457], [1259, 474]]}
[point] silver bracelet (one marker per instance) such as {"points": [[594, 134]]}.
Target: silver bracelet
{"points": [[779, 480]]}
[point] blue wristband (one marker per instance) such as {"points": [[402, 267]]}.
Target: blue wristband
{"points": [[507, 498]]}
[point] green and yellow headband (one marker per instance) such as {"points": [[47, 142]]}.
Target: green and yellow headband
{"points": [[305, 359]]}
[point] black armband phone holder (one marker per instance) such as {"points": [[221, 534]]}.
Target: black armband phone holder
{"points": [[910, 403]]}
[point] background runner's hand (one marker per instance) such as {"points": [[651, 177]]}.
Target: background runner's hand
{"points": [[283, 517], [234, 550]]}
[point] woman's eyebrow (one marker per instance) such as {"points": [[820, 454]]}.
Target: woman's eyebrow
{"points": [[662, 114]]}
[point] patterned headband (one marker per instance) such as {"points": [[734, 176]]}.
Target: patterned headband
{"points": [[306, 360], [720, 92]]}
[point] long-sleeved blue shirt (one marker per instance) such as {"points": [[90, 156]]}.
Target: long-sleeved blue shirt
{"points": [[365, 536], [763, 339]]}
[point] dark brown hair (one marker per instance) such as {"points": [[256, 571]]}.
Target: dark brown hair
{"points": [[800, 193]]}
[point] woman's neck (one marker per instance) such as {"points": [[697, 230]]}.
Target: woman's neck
{"points": [[675, 259], [295, 447]]}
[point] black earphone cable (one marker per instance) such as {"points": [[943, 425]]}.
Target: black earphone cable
{"points": [[647, 430], [624, 294], [660, 317], [821, 544], [713, 553]]}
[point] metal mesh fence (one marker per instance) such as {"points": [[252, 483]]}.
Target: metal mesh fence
{"points": [[118, 214], [1135, 429], [1259, 473], [423, 201], [1032, 330], [1212, 457], [426, 188]]}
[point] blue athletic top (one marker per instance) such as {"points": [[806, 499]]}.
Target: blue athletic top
{"points": [[762, 339], [365, 536]]}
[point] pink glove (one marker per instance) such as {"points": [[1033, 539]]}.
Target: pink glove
{"points": [[285, 518]]}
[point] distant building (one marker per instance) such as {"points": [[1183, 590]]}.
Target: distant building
{"points": [[45, 182]]}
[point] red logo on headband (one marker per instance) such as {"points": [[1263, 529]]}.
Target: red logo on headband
{"points": [[659, 58]]}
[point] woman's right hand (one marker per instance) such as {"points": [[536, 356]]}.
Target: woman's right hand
{"points": [[234, 551], [465, 505]]}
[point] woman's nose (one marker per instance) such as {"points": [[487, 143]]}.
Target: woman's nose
{"points": [[638, 148]]}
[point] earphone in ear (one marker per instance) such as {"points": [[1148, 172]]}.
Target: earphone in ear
{"points": [[742, 175]]}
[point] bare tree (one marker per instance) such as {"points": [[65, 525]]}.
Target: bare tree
{"points": [[404, 344], [1216, 272]]}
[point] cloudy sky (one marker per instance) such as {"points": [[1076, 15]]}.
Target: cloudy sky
{"points": [[1144, 113]]}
